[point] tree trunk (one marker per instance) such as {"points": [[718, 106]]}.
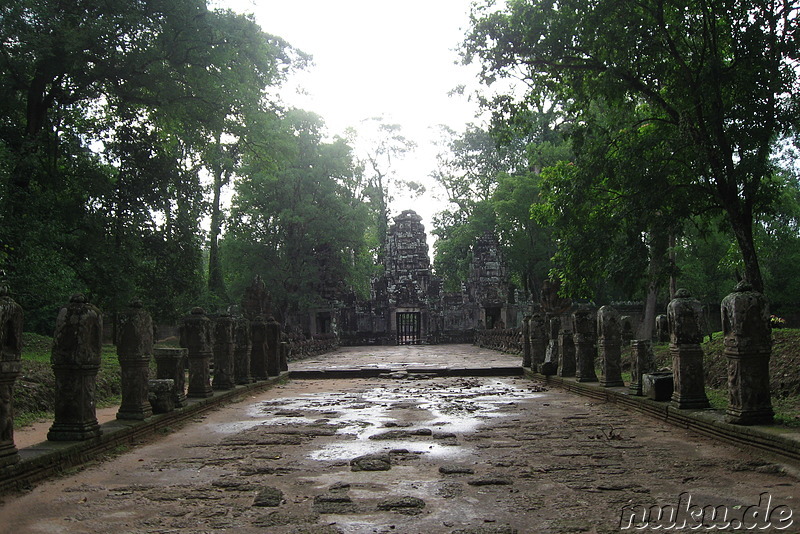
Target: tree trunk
{"points": [[742, 225], [658, 260], [216, 283]]}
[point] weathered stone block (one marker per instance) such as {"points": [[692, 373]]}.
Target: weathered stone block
{"points": [[161, 395], [657, 386]]}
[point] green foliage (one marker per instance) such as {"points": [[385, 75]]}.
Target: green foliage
{"points": [[296, 224], [715, 78]]}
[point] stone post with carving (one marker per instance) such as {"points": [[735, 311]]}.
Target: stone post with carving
{"points": [[538, 340], [609, 345], [134, 350], [171, 365], [683, 315], [284, 356], [196, 337], [258, 354], [585, 350], [566, 349], [748, 346], [76, 357], [550, 365], [241, 351], [526, 341], [642, 361], [273, 347], [10, 367], [223, 352]]}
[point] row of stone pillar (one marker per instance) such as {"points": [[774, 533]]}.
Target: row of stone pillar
{"points": [[571, 352], [240, 349]]}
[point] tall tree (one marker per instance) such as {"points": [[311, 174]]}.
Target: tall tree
{"points": [[719, 74]]}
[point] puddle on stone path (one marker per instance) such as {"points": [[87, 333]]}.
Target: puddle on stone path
{"points": [[457, 406]]}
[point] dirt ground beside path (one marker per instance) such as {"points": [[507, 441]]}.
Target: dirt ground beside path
{"points": [[454, 455]]}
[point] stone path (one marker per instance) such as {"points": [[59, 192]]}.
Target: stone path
{"points": [[409, 356], [409, 455]]}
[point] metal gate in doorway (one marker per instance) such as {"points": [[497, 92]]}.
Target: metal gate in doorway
{"points": [[409, 328]]}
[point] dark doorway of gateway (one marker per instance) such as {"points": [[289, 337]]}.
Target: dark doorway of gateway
{"points": [[409, 328]]}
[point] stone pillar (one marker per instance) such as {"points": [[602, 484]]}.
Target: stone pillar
{"points": [[585, 350], [258, 354], [550, 365], [273, 347], [223, 352], [609, 345], [642, 361], [526, 341], [10, 368], [134, 350], [683, 315], [566, 349], [241, 351], [662, 328], [748, 346], [284, 356], [196, 336], [171, 365], [538, 340], [77, 345]]}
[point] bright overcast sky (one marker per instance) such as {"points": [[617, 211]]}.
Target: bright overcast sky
{"points": [[390, 58]]}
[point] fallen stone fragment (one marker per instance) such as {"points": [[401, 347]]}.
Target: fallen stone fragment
{"points": [[486, 530], [451, 469], [490, 481], [268, 496], [443, 435], [401, 434], [371, 462], [403, 505], [334, 503]]}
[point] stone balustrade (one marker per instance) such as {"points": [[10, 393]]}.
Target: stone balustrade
{"points": [[503, 339]]}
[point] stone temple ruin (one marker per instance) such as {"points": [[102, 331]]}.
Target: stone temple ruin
{"points": [[408, 304]]}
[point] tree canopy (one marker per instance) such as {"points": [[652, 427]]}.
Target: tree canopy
{"points": [[719, 79]]}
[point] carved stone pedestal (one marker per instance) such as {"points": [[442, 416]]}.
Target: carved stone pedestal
{"points": [[585, 352], [538, 340], [642, 362], [241, 351], [76, 360], [10, 368], [134, 349], [259, 348], [686, 334], [609, 345], [196, 337], [223, 353], [273, 347], [526, 341], [566, 353], [748, 346]]}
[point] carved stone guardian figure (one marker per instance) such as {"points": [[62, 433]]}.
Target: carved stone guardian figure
{"points": [[748, 346], [538, 340], [241, 351], [566, 349], [684, 314], [259, 348], [76, 357], [526, 341], [609, 345], [585, 350]]}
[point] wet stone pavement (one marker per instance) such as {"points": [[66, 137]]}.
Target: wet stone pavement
{"points": [[404, 454]]}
